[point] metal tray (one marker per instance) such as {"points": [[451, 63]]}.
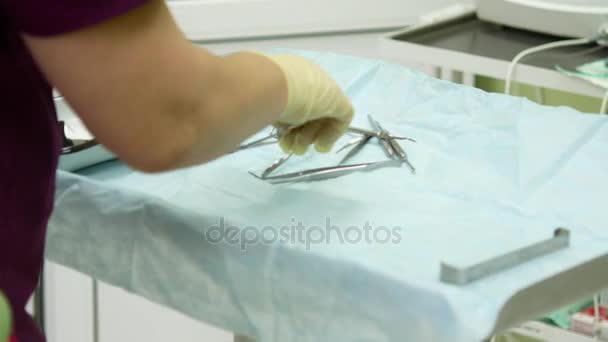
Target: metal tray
{"points": [[469, 34]]}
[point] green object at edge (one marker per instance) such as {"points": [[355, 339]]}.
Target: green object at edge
{"points": [[5, 319], [585, 104], [561, 318]]}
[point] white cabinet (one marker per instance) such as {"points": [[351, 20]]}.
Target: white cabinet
{"points": [[68, 305], [125, 317], [79, 310]]}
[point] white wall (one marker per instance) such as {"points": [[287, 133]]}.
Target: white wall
{"points": [[221, 19]]}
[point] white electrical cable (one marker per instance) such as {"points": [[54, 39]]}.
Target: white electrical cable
{"points": [[596, 320], [553, 45], [604, 109], [540, 95]]}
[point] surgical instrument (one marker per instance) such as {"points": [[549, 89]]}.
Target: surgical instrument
{"points": [[462, 276], [391, 147], [358, 145], [276, 165], [352, 143], [383, 137], [327, 172], [375, 134], [401, 154], [262, 141]]}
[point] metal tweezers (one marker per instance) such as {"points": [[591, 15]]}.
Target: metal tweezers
{"points": [[275, 165], [269, 139], [396, 154], [389, 142], [327, 172]]}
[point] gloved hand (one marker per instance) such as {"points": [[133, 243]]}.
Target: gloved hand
{"points": [[317, 111], [5, 319]]}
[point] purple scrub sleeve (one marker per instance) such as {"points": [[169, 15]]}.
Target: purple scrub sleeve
{"points": [[30, 141]]}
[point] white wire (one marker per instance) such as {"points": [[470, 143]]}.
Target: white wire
{"points": [[540, 95], [604, 109], [596, 321], [553, 45]]}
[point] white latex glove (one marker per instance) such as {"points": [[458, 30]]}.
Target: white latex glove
{"points": [[318, 112]]}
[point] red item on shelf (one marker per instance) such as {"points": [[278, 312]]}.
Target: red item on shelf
{"points": [[584, 322], [603, 312]]}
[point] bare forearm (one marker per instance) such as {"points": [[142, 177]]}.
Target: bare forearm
{"points": [[152, 97], [248, 93], [160, 103]]}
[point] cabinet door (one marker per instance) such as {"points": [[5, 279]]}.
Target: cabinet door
{"points": [[230, 19], [68, 305], [124, 317]]}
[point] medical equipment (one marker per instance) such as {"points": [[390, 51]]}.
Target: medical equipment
{"points": [[565, 18], [388, 141], [461, 276], [324, 173], [275, 165], [595, 79], [358, 143], [391, 146], [269, 139], [543, 47], [557, 17], [393, 150], [376, 134]]}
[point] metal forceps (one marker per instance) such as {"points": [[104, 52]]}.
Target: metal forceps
{"points": [[397, 157], [321, 173], [324, 173], [390, 144], [269, 139], [275, 165], [358, 144]]}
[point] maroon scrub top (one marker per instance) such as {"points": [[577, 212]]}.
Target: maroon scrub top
{"points": [[30, 140]]}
